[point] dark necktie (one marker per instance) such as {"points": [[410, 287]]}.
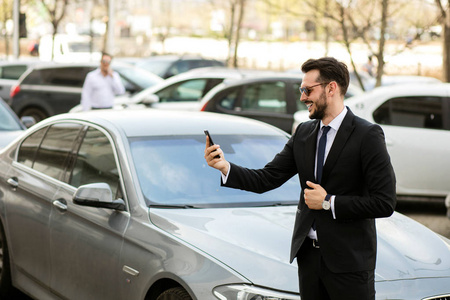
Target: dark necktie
{"points": [[321, 157], [321, 152]]}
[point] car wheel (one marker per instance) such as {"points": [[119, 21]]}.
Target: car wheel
{"points": [[6, 289], [176, 293], [36, 113]]}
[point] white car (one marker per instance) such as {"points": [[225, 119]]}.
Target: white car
{"points": [[183, 91], [416, 122]]}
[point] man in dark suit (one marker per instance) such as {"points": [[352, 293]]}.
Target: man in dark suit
{"points": [[347, 181]]}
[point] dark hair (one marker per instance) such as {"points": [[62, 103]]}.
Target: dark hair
{"points": [[330, 69], [106, 54]]}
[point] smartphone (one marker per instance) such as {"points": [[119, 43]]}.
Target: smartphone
{"points": [[210, 141]]}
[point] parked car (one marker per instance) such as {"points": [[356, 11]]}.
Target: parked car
{"points": [[272, 99], [183, 91], [167, 66], [10, 125], [416, 122], [51, 89], [10, 71], [122, 204], [386, 80]]}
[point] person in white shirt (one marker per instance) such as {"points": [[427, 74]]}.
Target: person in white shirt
{"points": [[101, 86]]}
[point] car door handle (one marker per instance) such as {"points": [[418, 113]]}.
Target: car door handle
{"points": [[60, 205], [13, 181]]}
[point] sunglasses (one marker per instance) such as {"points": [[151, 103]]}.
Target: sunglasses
{"points": [[308, 90], [106, 61]]}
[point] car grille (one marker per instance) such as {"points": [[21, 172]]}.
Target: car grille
{"points": [[441, 297]]}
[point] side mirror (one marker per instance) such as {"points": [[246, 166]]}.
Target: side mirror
{"points": [[150, 99], [28, 121], [97, 195]]}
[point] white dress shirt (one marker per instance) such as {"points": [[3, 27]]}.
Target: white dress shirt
{"points": [[334, 124], [99, 90]]}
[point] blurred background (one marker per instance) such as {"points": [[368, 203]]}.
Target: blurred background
{"points": [[402, 36]]}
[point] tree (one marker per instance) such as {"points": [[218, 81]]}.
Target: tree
{"points": [[444, 8], [232, 30], [5, 14], [56, 10]]}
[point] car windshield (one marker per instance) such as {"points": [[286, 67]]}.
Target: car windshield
{"points": [[138, 76], [158, 67], [172, 171], [7, 121]]}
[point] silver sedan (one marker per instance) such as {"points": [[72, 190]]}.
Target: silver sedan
{"points": [[121, 205]]}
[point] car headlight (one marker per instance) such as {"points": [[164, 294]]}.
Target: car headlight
{"points": [[249, 292]]}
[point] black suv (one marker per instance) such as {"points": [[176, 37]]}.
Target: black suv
{"points": [[51, 89]]}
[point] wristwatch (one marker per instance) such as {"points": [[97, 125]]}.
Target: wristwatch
{"points": [[326, 203]]}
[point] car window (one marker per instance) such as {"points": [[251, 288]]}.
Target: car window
{"points": [[265, 97], [95, 162], [228, 99], [12, 72], [190, 90], [70, 76], [28, 148], [297, 95], [419, 112], [8, 122], [136, 76], [48, 149], [53, 154], [180, 66], [157, 67]]}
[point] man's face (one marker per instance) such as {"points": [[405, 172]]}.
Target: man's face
{"points": [[105, 62], [315, 95]]}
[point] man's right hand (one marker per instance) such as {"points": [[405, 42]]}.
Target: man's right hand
{"points": [[218, 163]]}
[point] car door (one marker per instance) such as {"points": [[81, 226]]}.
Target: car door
{"points": [[85, 242], [267, 102], [417, 134], [64, 86], [35, 178]]}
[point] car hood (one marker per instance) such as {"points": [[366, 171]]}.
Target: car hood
{"points": [[7, 137], [255, 242]]}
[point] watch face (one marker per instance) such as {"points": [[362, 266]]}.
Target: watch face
{"points": [[326, 205]]}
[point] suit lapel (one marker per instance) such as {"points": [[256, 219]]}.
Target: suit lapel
{"points": [[344, 132]]}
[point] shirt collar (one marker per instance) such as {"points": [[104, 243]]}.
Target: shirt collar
{"points": [[336, 122]]}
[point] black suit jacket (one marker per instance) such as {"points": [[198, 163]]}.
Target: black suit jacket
{"points": [[357, 171]]}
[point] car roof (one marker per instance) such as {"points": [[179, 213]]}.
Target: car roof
{"points": [[46, 65], [407, 89], [154, 122], [228, 74]]}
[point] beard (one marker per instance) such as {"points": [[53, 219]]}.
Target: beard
{"points": [[320, 107]]}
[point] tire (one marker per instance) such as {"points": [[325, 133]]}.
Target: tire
{"points": [[6, 289], [34, 112], [176, 293]]}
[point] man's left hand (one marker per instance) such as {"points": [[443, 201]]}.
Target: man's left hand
{"points": [[315, 195]]}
